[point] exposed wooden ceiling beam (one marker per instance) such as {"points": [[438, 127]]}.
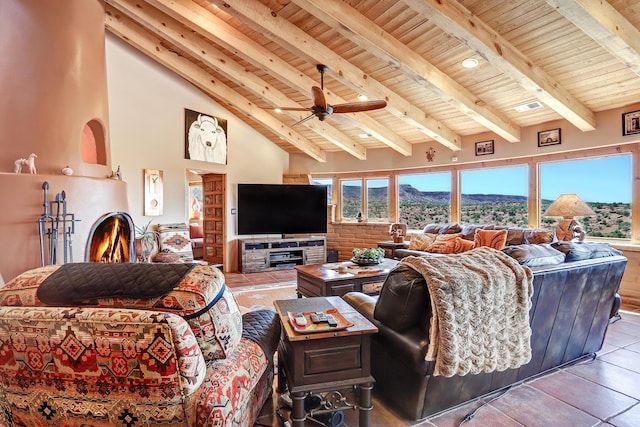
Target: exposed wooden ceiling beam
{"points": [[123, 27], [256, 14], [166, 28], [604, 24], [213, 28], [362, 31], [455, 19]]}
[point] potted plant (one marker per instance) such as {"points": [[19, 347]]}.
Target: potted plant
{"points": [[148, 239]]}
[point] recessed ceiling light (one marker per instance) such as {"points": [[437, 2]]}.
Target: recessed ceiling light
{"points": [[470, 63], [530, 106], [364, 135], [277, 110], [363, 97]]}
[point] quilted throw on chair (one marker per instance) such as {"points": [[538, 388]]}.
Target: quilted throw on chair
{"points": [[480, 302]]}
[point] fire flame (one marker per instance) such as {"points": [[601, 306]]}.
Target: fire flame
{"points": [[110, 245]]}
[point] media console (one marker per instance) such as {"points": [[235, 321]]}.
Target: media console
{"points": [[279, 254]]}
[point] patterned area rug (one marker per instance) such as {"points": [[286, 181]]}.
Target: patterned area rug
{"points": [[262, 296]]}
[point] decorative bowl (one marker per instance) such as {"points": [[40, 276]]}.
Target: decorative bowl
{"points": [[366, 256], [366, 262]]}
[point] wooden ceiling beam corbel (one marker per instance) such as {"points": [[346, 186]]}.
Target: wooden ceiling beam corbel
{"points": [[256, 14], [168, 29], [606, 26], [216, 30], [118, 24], [362, 31], [455, 19]]}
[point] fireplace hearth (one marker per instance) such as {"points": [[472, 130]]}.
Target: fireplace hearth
{"points": [[112, 239]]}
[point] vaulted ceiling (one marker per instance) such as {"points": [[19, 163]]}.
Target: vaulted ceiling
{"points": [[573, 57]]}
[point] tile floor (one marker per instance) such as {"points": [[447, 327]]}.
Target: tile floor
{"points": [[602, 392]]}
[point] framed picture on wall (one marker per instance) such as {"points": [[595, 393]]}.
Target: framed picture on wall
{"points": [[152, 192], [549, 137], [484, 147], [205, 137], [631, 123]]}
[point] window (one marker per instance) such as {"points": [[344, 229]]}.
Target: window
{"points": [[604, 183], [351, 198], [495, 196], [329, 183], [377, 199], [424, 199]]}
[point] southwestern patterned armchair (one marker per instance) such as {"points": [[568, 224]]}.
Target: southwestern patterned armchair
{"points": [[175, 353]]}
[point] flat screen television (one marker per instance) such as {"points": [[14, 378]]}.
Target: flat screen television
{"points": [[282, 209]]}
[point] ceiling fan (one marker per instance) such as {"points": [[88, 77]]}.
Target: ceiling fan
{"points": [[322, 110]]}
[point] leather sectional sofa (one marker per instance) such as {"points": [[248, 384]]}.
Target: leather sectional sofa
{"points": [[572, 303]]}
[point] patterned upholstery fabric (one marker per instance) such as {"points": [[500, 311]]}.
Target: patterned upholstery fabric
{"points": [[420, 242], [68, 366], [175, 238], [84, 366], [444, 243], [217, 329]]}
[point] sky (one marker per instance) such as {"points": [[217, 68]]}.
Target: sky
{"points": [[604, 179]]}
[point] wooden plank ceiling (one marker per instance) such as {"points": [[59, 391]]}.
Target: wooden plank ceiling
{"points": [[575, 57]]}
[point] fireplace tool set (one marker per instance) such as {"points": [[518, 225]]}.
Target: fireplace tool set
{"points": [[52, 223]]}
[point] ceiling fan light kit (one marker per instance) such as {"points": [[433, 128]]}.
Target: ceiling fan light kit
{"points": [[322, 110]]}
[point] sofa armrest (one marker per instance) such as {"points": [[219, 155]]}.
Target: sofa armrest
{"points": [[409, 344]]}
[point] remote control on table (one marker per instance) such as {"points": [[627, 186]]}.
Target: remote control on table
{"points": [[300, 319], [332, 320], [318, 317]]}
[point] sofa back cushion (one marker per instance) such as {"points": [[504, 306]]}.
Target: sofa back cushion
{"points": [[578, 251], [201, 297], [403, 300], [60, 364]]}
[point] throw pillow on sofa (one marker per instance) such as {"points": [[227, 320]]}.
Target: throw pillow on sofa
{"points": [[444, 244], [421, 241], [201, 297], [463, 245], [175, 238], [495, 239], [535, 255]]}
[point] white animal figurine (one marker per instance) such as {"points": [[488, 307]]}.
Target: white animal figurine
{"points": [[29, 161], [207, 140]]}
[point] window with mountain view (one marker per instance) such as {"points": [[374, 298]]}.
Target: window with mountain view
{"points": [[351, 198], [604, 183], [325, 181], [424, 199], [377, 199], [494, 196]]}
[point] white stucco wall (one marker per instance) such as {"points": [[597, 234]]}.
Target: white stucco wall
{"points": [[146, 111]]}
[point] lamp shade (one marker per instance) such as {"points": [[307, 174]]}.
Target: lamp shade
{"points": [[568, 205]]}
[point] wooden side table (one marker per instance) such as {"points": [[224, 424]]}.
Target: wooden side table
{"points": [[390, 248], [328, 361]]}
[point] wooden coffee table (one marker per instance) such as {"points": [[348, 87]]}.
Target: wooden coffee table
{"points": [[320, 280], [325, 362]]}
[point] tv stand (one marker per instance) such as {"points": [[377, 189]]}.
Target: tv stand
{"points": [[257, 255]]}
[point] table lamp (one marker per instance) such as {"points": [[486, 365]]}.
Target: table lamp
{"points": [[567, 206]]}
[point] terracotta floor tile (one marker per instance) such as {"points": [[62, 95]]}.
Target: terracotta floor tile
{"points": [[611, 376], [623, 358], [634, 347], [533, 408], [631, 418], [620, 339], [485, 416], [628, 325], [585, 395]]}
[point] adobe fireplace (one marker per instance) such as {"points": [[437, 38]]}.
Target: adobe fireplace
{"points": [[112, 239]]}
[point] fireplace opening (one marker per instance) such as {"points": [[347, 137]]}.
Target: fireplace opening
{"points": [[112, 239]]}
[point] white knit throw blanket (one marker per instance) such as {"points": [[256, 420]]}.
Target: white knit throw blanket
{"points": [[480, 301]]}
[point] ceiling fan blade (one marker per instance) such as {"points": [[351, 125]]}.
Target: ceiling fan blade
{"points": [[288, 108], [354, 107], [318, 97], [309, 117]]}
